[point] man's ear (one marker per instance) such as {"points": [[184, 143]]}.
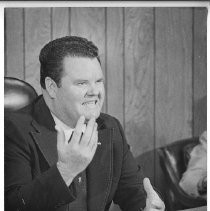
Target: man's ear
{"points": [[51, 87]]}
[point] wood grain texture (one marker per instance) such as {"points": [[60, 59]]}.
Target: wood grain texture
{"points": [[200, 71], [115, 85], [37, 34], [14, 43], [173, 74], [173, 84], [60, 22], [90, 23], [139, 79]]}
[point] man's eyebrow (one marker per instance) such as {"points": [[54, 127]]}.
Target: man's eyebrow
{"points": [[80, 80], [101, 78]]}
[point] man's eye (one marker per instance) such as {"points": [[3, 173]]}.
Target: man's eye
{"points": [[100, 81], [81, 83]]}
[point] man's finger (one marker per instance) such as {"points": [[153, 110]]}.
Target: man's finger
{"points": [[88, 132], [94, 137], [148, 188], [95, 144], [60, 136], [78, 129]]}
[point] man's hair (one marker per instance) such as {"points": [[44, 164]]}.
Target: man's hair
{"points": [[53, 53]]}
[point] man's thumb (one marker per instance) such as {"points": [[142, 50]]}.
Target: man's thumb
{"points": [[60, 136], [148, 187]]}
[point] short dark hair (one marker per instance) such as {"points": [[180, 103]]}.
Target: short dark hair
{"points": [[52, 54]]}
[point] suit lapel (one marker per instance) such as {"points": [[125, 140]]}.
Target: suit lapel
{"points": [[99, 172], [46, 140], [44, 134]]}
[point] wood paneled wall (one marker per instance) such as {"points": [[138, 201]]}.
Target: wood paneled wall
{"points": [[154, 62]]}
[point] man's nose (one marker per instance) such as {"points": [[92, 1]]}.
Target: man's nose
{"points": [[93, 89]]}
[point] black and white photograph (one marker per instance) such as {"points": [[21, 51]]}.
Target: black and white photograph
{"points": [[105, 107]]}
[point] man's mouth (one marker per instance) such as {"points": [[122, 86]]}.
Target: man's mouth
{"points": [[90, 103]]}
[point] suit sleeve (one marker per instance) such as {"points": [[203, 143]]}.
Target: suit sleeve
{"points": [[45, 192], [130, 194]]}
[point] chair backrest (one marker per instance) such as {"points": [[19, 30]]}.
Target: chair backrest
{"points": [[17, 94], [172, 156]]}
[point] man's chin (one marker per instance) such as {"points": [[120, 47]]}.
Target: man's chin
{"points": [[89, 116]]}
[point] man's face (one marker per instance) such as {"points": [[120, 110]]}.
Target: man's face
{"points": [[81, 91]]}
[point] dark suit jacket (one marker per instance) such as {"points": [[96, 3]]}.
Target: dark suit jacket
{"points": [[33, 182]]}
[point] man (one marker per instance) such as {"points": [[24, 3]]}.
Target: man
{"points": [[60, 152]]}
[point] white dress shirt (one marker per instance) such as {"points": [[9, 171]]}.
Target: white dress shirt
{"points": [[66, 129]]}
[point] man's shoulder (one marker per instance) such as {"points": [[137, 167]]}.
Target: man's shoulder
{"points": [[105, 116], [109, 121]]}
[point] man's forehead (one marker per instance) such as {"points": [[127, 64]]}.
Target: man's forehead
{"points": [[81, 66], [70, 61]]}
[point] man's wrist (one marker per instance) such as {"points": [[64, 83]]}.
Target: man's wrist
{"points": [[65, 173]]}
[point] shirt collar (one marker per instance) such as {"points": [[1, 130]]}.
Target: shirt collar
{"points": [[66, 129]]}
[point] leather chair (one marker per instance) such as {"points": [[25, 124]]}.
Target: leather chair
{"points": [[17, 94], [173, 161]]}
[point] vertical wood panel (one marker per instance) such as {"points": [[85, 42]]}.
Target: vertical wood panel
{"points": [[60, 22], [90, 23], [14, 43], [115, 98], [200, 71], [139, 79], [115, 85], [37, 34], [173, 84], [173, 74]]}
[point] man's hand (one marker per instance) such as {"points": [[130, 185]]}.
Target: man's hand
{"points": [[153, 201], [75, 156]]}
